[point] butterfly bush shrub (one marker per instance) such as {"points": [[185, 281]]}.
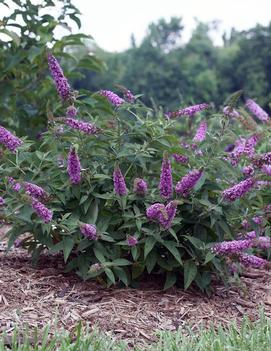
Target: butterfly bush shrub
{"points": [[112, 186]]}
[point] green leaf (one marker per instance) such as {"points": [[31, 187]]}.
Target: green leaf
{"points": [[110, 275], [15, 37], [93, 211], [171, 279], [210, 255], [100, 257], [137, 269], [121, 262], [151, 261], [149, 245], [197, 243], [171, 246], [67, 247], [121, 274], [190, 272]]}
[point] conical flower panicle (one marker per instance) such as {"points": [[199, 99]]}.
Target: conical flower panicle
{"points": [[238, 190], [43, 212], [166, 182], [74, 166], [187, 183], [9, 140], [140, 187], [89, 231], [257, 110], [119, 182], [188, 111], [61, 82], [113, 98], [84, 127], [201, 132]]}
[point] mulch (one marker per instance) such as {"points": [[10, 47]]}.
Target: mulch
{"points": [[43, 294]]}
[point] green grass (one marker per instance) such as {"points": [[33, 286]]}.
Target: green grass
{"points": [[250, 337]]}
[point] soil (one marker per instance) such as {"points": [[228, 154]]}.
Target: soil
{"points": [[45, 294]]}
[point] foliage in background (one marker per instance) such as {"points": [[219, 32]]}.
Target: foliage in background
{"points": [[171, 73], [27, 95]]}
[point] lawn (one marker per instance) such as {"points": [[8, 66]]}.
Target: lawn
{"points": [[251, 336]]}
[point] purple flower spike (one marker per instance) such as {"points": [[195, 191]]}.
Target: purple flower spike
{"points": [[266, 169], [74, 167], [262, 242], [43, 212], [119, 182], [2, 201], [180, 158], [252, 261], [171, 209], [238, 190], [257, 110], [188, 111], [132, 241], [249, 235], [187, 183], [113, 98], [15, 186], [71, 111], [34, 190], [89, 231], [9, 140], [248, 171], [201, 132], [229, 148], [166, 183], [230, 112], [164, 215], [140, 187], [128, 96], [231, 247], [263, 159], [84, 127], [258, 220], [61, 82], [154, 210]]}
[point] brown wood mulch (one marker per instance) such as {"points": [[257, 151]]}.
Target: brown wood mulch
{"points": [[44, 294]]}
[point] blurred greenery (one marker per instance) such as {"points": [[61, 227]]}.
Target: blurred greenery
{"points": [[172, 73], [167, 71]]}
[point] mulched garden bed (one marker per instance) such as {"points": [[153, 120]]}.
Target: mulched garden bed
{"points": [[39, 295]]}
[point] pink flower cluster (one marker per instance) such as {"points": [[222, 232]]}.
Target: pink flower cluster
{"points": [[238, 190], [61, 82], [257, 110], [74, 167], [9, 140], [230, 112], [35, 190], [129, 96], [140, 187], [43, 212], [201, 132], [166, 183], [119, 182], [162, 214], [188, 111], [84, 127], [187, 183], [89, 231], [180, 158], [113, 98]]}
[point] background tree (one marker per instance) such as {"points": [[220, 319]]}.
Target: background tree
{"points": [[26, 90]]}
